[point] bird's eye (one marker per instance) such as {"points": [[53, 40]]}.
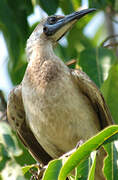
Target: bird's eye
{"points": [[52, 20]]}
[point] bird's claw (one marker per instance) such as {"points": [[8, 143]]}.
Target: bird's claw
{"points": [[79, 143]]}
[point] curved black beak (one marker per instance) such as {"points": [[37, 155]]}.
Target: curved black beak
{"points": [[61, 26], [77, 15]]}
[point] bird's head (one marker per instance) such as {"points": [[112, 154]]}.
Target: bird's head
{"points": [[54, 27]]}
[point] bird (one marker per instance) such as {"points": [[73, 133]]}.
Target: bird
{"points": [[55, 107]]}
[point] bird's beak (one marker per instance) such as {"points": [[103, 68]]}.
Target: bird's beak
{"points": [[58, 29]]}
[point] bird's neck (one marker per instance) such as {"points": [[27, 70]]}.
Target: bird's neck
{"points": [[39, 49], [43, 67]]}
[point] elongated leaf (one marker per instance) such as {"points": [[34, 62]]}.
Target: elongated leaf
{"points": [[12, 171], [100, 34], [15, 28], [92, 169], [76, 39], [66, 6], [9, 141], [83, 169], [93, 62], [76, 4], [49, 6], [110, 91], [11, 151], [116, 5], [25, 169], [85, 149], [100, 4], [3, 157], [53, 170], [110, 162]]}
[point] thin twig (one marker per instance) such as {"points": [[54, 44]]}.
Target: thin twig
{"points": [[111, 45], [108, 38], [71, 62]]}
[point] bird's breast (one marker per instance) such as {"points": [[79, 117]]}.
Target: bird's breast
{"points": [[57, 111]]}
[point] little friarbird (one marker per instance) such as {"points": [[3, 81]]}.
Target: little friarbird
{"points": [[55, 107]]}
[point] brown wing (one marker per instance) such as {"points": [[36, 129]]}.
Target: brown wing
{"points": [[16, 118], [94, 95]]}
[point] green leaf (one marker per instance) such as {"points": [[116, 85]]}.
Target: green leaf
{"points": [[111, 139], [3, 157], [110, 162], [116, 5], [11, 149], [111, 3], [110, 91], [62, 52], [66, 6], [9, 141], [25, 169], [85, 149], [12, 171], [25, 6], [76, 36], [53, 170], [92, 169], [49, 6], [76, 4], [83, 169], [86, 170], [15, 29], [101, 4], [18, 72], [100, 34], [25, 157], [92, 62]]}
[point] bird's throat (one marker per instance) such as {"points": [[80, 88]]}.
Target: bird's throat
{"points": [[39, 49]]}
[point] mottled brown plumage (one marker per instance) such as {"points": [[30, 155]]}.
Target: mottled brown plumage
{"points": [[57, 106], [17, 119]]}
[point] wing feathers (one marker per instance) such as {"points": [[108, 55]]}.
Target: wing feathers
{"points": [[94, 95], [16, 118]]}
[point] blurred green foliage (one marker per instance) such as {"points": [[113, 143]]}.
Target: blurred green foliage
{"points": [[100, 63], [12, 154]]}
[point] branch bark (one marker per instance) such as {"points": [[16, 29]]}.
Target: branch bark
{"points": [[109, 15]]}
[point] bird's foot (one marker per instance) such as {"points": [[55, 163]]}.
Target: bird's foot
{"points": [[73, 150], [34, 174], [79, 143], [41, 170], [37, 174]]}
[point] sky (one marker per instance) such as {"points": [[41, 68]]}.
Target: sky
{"points": [[5, 83]]}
